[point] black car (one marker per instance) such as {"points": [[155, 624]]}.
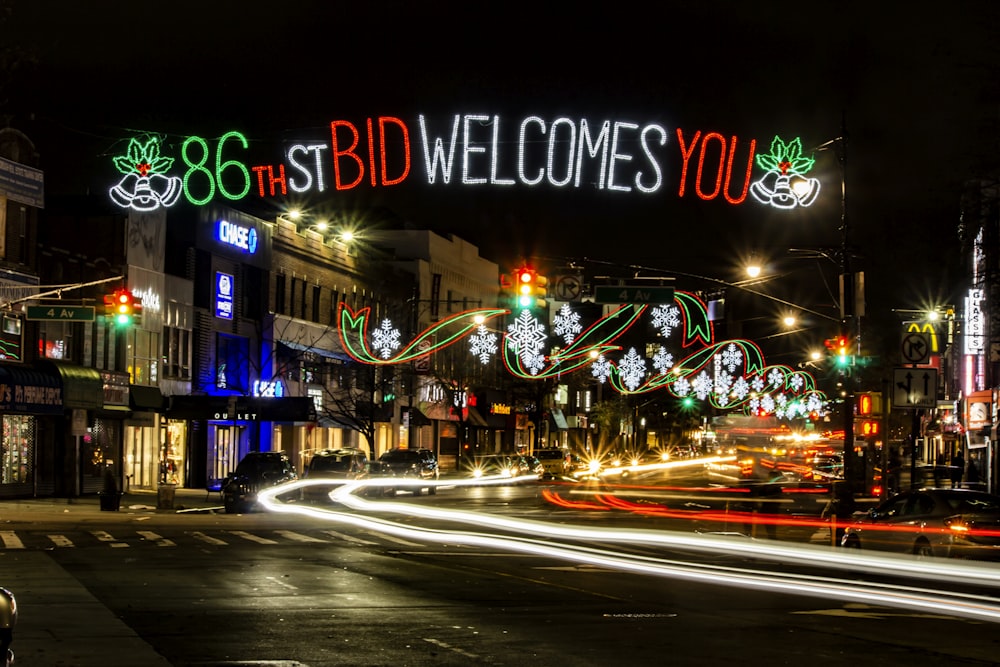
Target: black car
{"points": [[931, 522], [407, 464], [256, 471]]}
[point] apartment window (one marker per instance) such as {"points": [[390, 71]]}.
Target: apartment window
{"points": [[279, 293], [315, 303], [176, 362]]}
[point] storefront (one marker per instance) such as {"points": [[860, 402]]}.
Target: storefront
{"points": [[26, 396], [222, 429], [145, 455]]}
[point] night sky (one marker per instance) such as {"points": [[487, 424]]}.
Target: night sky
{"points": [[918, 90]]}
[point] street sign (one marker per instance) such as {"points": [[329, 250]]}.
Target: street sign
{"points": [[62, 313], [567, 287], [633, 294], [914, 388], [916, 348]]}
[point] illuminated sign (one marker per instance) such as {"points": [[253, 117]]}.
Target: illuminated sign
{"points": [[272, 389], [975, 323], [499, 409], [238, 236], [484, 150], [224, 288]]}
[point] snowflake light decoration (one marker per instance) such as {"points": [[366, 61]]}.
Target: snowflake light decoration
{"points": [[566, 323], [526, 335], [666, 319], [483, 344], [601, 368], [663, 361], [385, 339], [731, 357], [632, 369]]}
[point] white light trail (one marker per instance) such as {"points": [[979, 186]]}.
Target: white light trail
{"points": [[977, 607]]}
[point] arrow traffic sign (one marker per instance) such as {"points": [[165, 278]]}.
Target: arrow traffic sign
{"points": [[64, 313], [914, 388], [633, 294], [915, 348]]}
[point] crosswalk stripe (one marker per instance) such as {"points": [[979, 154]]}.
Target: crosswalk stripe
{"points": [[250, 536], [105, 536], [299, 537], [61, 540], [198, 535], [349, 538], [159, 539], [11, 540]]}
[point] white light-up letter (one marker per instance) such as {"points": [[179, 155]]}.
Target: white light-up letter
{"points": [[658, 175], [304, 170], [569, 154], [616, 156], [469, 148], [439, 157], [521, 143], [494, 180], [593, 148]]}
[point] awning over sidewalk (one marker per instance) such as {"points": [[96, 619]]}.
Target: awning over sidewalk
{"points": [[243, 408], [30, 391], [145, 399], [82, 387]]}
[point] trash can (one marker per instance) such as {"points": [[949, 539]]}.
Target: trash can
{"points": [[110, 500], [165, 496]]}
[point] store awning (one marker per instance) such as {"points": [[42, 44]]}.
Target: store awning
{"points": [[145, 399], [243, 408], [82, 387], [299, 347], [30, 391], [475, 418]]}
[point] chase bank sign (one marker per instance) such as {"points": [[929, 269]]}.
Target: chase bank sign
{"points": [[237, 236]]}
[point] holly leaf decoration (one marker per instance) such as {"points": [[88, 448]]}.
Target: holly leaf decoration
{"points": [[143, 158], [789, 154]]}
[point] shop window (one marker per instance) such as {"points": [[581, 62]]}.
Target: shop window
{"points": [[232, 359], [18, 448]]}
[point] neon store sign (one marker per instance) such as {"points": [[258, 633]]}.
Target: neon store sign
{"points": [[237, 236], [473, 150]]}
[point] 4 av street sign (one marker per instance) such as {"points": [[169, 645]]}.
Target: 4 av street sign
{"points": [[64, 313], [633, 294], [914, 388]]}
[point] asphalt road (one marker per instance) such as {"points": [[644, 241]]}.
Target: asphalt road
{"points": [[206, 588]]}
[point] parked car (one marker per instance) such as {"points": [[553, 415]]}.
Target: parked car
{"points": [[256, 471], [407, 464], [931, 522], [334, 464], [504, 465]]}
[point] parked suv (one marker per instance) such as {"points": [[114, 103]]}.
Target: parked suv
{"points": [[333, 464], [256, 471], [408, 464]]}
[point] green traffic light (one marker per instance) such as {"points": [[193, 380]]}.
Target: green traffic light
{"points": [[123, 320]]}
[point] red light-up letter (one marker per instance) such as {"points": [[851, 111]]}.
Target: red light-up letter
{"points": [[686, 156], [701, 164], [347, 152], [389, 120], [729, 171]]}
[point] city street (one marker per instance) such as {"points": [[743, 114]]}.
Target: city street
{"points": [[206, 588]]}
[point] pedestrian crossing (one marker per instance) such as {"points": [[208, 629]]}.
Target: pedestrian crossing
{"points": [[11, 540]]}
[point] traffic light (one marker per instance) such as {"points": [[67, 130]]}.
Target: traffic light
{"points": [[531, 288], [868, 404], [840, 350], [120, 307], [866, 428]]}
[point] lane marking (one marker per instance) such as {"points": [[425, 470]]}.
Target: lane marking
{"points": [[198, 535], [61, 541], [349, 538], [105, 536], [299, 537]]}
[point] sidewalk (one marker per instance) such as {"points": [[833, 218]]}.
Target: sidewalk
{"points": [[60, 623], [136, 500]]}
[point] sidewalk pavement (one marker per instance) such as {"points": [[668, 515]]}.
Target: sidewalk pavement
{"points": [[133, 501], [60, 623]]}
